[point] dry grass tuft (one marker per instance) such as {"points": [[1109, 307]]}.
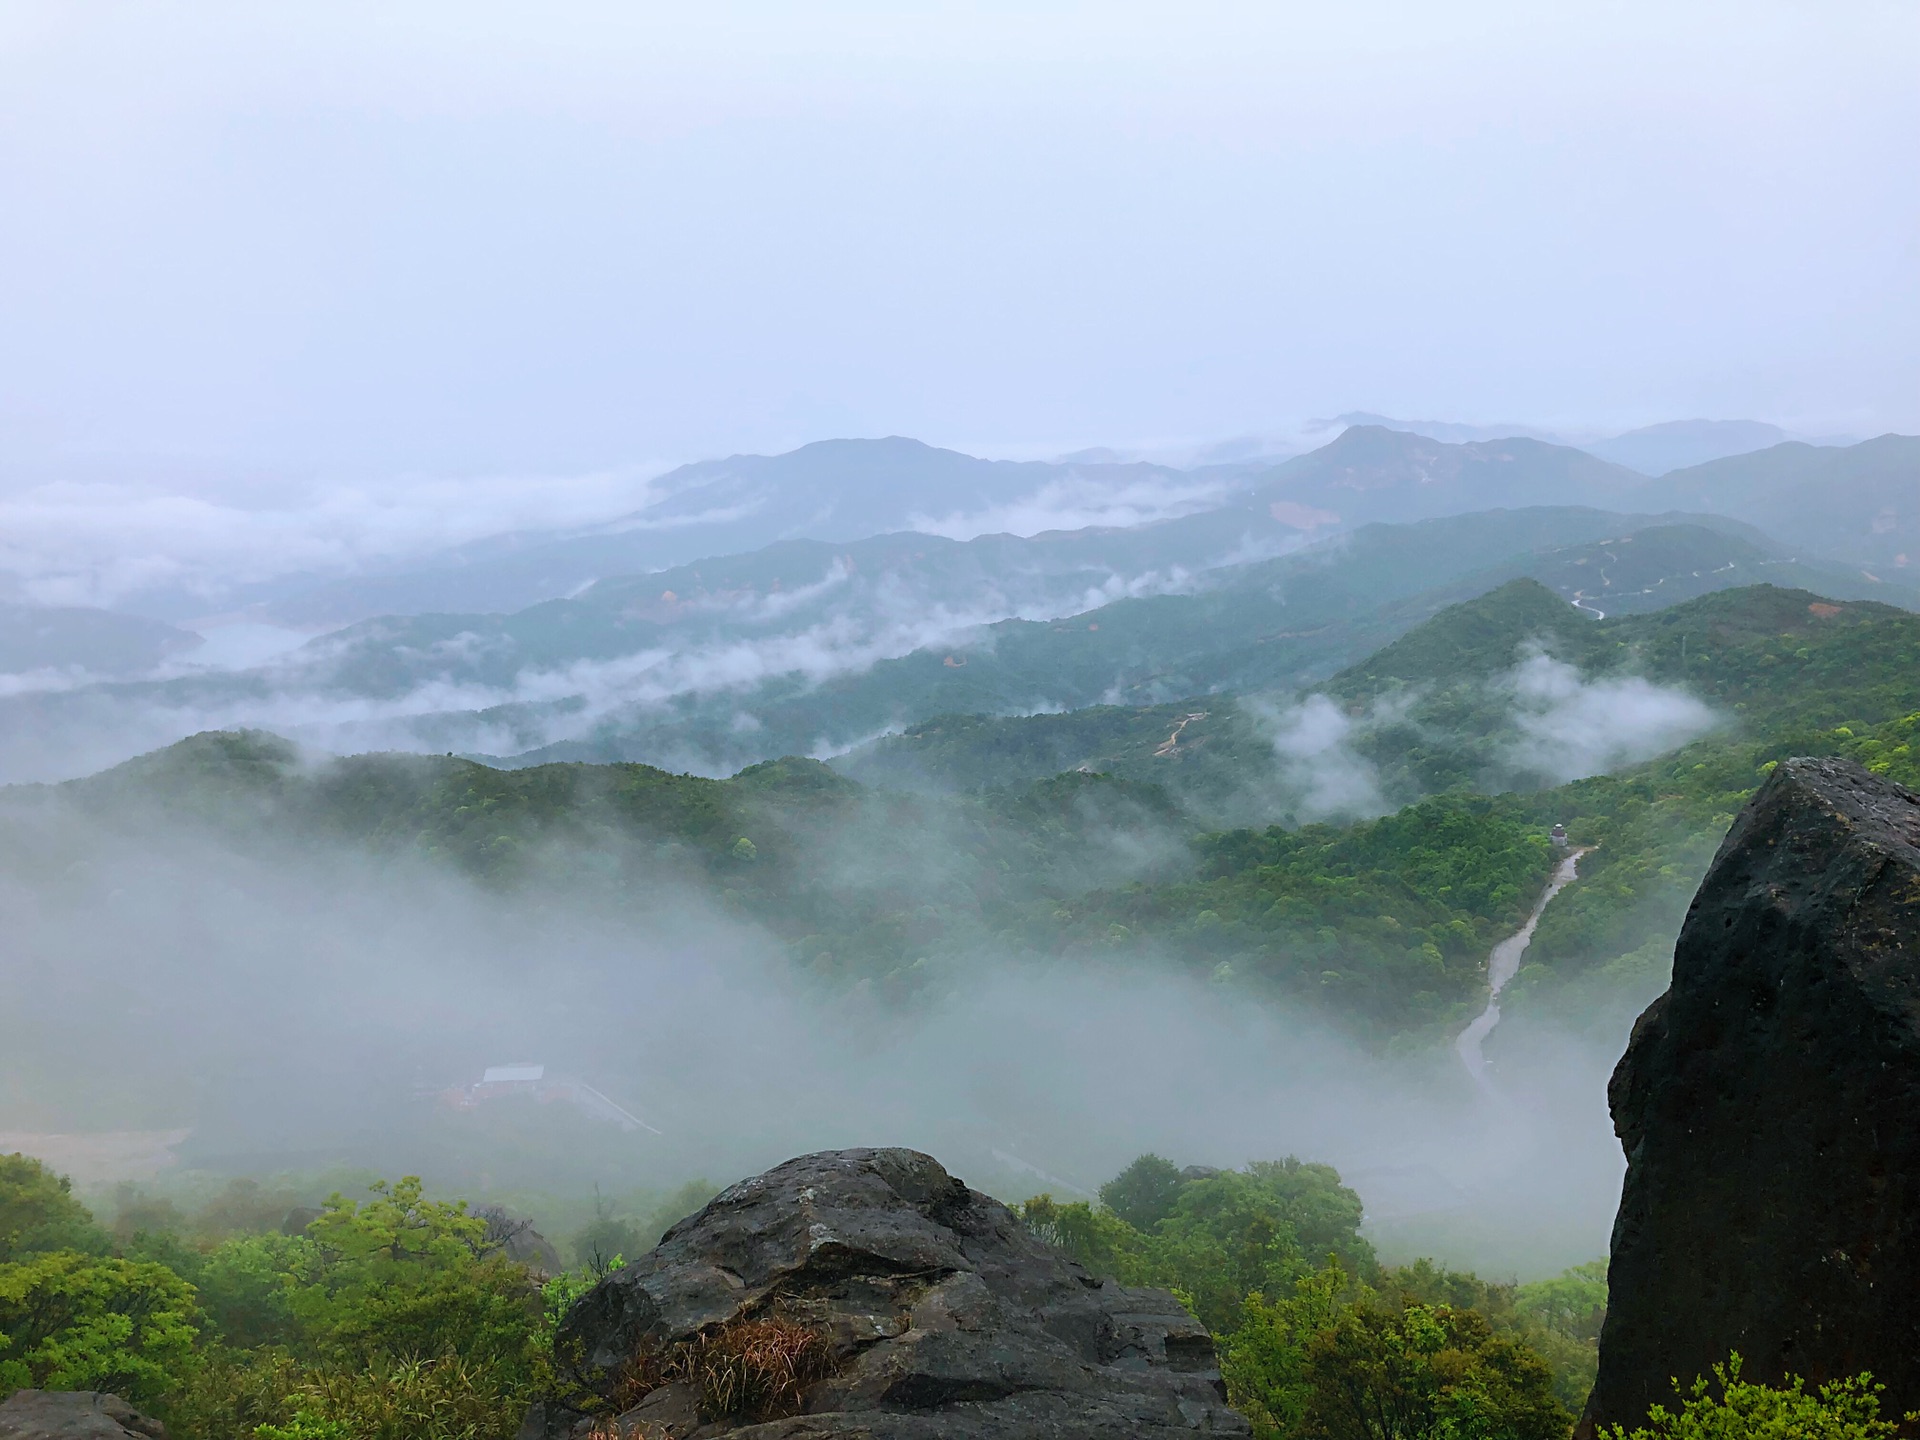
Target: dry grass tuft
{"points": [[752, 1370], [755, 1369]]}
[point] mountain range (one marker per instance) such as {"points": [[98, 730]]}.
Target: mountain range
{"points": [[1272, 579]]}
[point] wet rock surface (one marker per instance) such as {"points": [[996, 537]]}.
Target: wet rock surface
{"points": [[74, 1415], [938, 1315], [1769, 1106]]}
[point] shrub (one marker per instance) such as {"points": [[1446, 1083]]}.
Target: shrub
{"points": [[448, 1398], [1741, 1410], [403, 1275], [268, 1395], [38, 1212], [1318, 1364], [1378, 1374], [70, 1321]]}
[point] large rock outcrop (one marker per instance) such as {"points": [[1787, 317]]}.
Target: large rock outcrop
{"points": [[934, 1312], [74, 1415], [1769, 1106]]}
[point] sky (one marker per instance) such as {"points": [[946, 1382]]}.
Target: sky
{"points": [[256, 247]]}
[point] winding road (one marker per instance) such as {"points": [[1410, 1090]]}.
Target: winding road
{"points": [[1502, 965]]}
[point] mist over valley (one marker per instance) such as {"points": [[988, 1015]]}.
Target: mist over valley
{"points": [[719, 721]]}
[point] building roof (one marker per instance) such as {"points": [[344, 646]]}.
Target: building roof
{"points": [[501, 1074]]}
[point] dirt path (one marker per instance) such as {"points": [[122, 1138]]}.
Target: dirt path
{"points": [[1502, 965], [1172, 742]]}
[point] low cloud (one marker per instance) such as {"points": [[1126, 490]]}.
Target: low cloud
{"points": [[1314, 740], [101, 539], [1571, 728], [284, 1001], [466, 692], [1082, 499]]}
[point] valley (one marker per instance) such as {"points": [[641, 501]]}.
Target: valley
{"points": [[959, 722]]}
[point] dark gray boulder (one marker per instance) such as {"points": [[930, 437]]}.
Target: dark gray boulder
{"points": [[1769, 1106], [938, 1313], [74, 1415]]}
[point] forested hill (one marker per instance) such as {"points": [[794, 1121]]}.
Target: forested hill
{"points": [[1436, 709], [1384, 924]]}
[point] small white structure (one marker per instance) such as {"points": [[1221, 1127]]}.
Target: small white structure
{"points": [[511, 1074], [497, 1082]]}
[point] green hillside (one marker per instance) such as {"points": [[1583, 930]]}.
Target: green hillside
{"points": [[1382, 924], [1786, 672]]}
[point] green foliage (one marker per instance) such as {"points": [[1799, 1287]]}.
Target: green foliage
{"points": [[38, 1212], [1573, 1302], [1387, 923], [1144, 1193], [392, 1317], [404, 1275], [1378, 1373], [1219, 1237], [269, 1395], [1264, 1362], [445, 1397], [247, 1287], [1730, 1408], [71, 1321], [1331, 1362], [305, 1425], [1558, 1319]]}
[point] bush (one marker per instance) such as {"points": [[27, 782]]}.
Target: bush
{"points": [[405, 1276], [1843, 1410], [447, 1398], [1333, 1365], [1380, 1374], [38, 1212], [70, 1321]]}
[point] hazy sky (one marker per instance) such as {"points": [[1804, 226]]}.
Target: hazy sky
{"points": [[479, 238]]}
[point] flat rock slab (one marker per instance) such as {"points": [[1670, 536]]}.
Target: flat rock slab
{"points": [[1769, 1106], [946, 1317], [74, 1415]]}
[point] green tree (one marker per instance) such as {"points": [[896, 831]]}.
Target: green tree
{"points": [[1098, 1239], [38, 1212], [1741, 1410], [71, 1321], [402, 1275], [1227, 1237], [1425, 1373], [1264, 1362], [247, 1286], [1143, 1194]]}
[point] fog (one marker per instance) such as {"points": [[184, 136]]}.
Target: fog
{"points": [[343, 244], [1571, 727], [297, 1008], [482, 691], [312, 306], [1313, 742]]}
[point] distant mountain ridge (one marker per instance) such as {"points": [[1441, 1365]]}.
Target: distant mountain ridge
{"points": [[831, 491], [1371, 473], [836, 491], [1859, 503], [808, 648], [1656, 449]]}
